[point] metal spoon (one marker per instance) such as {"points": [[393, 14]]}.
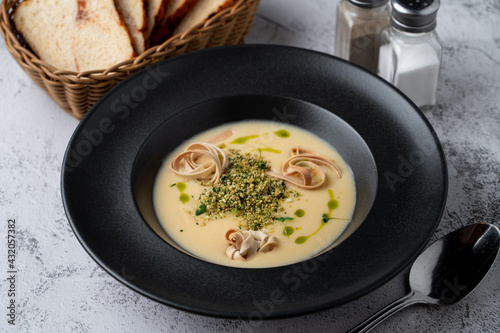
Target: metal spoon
{"points": [[446, 271]]}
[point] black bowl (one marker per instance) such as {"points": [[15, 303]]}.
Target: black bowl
{"points": [[220, 111], [396, 158]]}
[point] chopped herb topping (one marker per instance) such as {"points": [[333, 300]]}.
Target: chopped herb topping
{"points": [[246, 191]]}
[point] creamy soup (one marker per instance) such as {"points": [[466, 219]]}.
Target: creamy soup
{"points": [[305, 222]]}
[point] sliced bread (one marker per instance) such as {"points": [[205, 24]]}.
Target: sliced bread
{"points": [[135, 16], [100, 37], [201, 12], [75, 35], [175, 12], [45, 25], [156, 12]]}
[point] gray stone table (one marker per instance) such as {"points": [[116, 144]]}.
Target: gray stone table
{"points": [[59, 288]]}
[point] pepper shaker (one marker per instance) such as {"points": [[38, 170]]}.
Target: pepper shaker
{"points": [[410, 50], [359, 23]]}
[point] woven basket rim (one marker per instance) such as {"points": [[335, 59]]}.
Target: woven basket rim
{"points": [[177, 41]]}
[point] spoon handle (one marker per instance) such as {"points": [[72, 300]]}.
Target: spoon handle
{"points": [[377, 318]]}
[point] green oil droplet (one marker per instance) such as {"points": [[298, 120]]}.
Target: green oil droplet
{"points": [[301, 239], [282, 133], [288, 231], [244, 139], [184, 198], [332, 204], [299, 213]]}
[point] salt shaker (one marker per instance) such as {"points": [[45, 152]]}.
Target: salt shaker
{"points": [[410, 50], [359, 23]]}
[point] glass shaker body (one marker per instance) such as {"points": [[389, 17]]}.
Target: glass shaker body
{"points": [[411, 62], [358, 33]]}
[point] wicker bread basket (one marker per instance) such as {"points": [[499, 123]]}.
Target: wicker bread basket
{"points": [[76, 92]]}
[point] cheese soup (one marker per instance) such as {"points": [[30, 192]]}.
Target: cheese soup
{"points": [[254, 194]]}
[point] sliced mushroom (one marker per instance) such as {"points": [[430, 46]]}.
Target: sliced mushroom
{"points": [[303, 169], [244, 245], [202, 161]]}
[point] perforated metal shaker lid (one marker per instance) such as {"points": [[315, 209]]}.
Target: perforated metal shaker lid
{"points": [[414, 15], [369, 3]]}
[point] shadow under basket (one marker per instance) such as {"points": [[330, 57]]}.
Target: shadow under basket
{"points": [[77, 92]]}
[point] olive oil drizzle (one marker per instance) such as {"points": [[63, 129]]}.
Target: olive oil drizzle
{"points": [[242, 140], [287, 230], [332, 204], [270, 150], [183, 197], [299, 213], [282, 134]]}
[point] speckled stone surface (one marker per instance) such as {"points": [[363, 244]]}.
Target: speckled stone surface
{"points": [[59, 288]]}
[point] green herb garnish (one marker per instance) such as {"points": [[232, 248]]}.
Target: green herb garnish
{"points": [[247, 191], [201, 209]]}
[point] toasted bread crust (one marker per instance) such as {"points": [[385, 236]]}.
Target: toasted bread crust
{"points": [[144, 25], [164, 29], [133, 14], [157, 10]]}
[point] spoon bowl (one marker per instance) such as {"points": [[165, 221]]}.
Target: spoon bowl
{"points": [[446, 271]]}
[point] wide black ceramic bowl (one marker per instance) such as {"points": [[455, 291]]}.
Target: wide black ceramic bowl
{"points": [[112, 159]]}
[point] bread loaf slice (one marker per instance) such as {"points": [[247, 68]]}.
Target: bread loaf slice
{"points": [[135, 17], [74, 35], [175, 12], [100, 37], [45, 26], [156, 12], [201, 12]]}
